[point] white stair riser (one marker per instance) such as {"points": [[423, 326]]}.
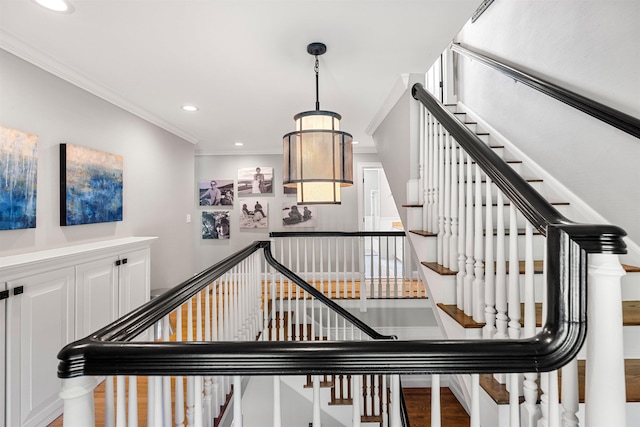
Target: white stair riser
{"points": [[631, 287]]}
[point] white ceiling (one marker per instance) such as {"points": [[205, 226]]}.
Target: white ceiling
{"points": [[243, 63]]}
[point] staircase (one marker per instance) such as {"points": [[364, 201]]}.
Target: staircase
{"points": [[462, 312]]}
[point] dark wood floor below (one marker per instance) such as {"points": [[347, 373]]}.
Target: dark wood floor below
{"points": [[418, 402]]}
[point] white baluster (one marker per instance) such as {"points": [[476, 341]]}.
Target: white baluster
{"points": [[530, 387], [430, 164], [478, 251], [501, 271], [289, 295], [489, 268], [514, 274], [207, 403], [553, 400], [190, 379], [474, 416], [514, 310], [385, 400], [357, 397], [436, 419], [77, 395], [158, 411], [216, 399], [151, 402], [109, 402], [277, 406], [462, 257], [514, 400], [121, 398], [133, 401], [453, 251], [469, 234], [446, 255], [316, 401], [569, 396], [605, 400], [198, 408], [440, 194], [396, 420], [354, 252]]}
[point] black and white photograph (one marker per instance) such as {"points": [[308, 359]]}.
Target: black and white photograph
{"points": [[216, 225], [216, 192], [254, 214], [257, 180], [294, 215]]}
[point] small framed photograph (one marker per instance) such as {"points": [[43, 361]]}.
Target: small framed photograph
{"points": [[216, 225], [258, 180], [216, 192], [254, 214], [298, 216]]}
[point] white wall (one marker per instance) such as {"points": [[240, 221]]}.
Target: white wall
{"points": [[342, 217], [158, 169], [590, 47]]}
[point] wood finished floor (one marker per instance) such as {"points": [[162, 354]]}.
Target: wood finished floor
{"points": [[418, 402]]}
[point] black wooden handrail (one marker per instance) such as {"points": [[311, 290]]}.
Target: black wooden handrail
{"points": [[78, 358], [611, 116]]}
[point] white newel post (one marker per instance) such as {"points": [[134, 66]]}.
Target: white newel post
{"points": [[77, 395], [605, 397]]}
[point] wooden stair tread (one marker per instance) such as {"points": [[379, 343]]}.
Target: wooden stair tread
{"points": [[412, 205], [631, 313], [438, 268], [498, 392], [460, 317], [631, 268], [538, 267]]}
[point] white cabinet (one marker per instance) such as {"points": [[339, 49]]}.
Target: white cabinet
{"points": [[39, 324], [52, 298], [110, 287]]}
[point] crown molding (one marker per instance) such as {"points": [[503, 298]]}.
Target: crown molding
{"points": [[17, 47]]}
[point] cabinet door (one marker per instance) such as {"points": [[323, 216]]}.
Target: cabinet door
{"points": [[39, 324], [96, 295], [135, 283]]}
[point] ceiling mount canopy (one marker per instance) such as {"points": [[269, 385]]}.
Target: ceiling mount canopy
{"points": [[318, 156]]}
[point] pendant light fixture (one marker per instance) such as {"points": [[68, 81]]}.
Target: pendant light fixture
{"points": [[318, 156]]}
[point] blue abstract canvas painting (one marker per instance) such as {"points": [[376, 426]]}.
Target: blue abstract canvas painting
{"points": [[18, 179], [90, 186]]}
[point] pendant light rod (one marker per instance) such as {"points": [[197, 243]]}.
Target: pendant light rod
{"points": [[317, 49]]}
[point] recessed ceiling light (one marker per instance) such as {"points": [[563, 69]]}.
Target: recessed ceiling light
{"points": [[238, 144], [56, 5], [190, 108], [356, 142]]}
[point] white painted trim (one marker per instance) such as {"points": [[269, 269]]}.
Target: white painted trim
{"points": [[50, 258]]}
